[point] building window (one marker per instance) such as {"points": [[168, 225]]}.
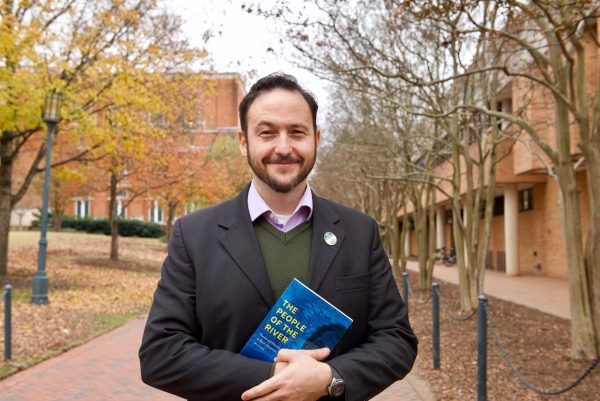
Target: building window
{"points": [[82, 208], [525, 200], [156, 213], [157, 120], [188, 123], [499, 206], [121, 211]]}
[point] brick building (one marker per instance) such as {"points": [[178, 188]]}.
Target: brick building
{"points": [[526, 232], [218, 116]]}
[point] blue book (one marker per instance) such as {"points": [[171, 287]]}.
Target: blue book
{"points": [[300, 319]]}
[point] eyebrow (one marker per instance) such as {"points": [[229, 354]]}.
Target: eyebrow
{"points": [[270, 124]]}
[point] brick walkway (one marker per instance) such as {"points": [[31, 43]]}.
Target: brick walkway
{"points": [[107, 368]]}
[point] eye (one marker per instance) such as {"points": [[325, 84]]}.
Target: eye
{"points": [[266, 133], [298, 133]]}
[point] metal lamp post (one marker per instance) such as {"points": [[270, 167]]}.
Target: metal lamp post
{"points": [[51, 116]]}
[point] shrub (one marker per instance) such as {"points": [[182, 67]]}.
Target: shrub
{"points": [[37, 219], [127, 228], [152, 230], [130, 228]]}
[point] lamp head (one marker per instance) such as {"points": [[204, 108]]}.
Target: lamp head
{"points": [[51, 112]]}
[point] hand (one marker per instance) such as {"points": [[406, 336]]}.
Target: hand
{"points": [[319, 354], [299, 376]]}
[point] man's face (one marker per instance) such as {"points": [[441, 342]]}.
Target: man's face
{"points": [[281, 146]]}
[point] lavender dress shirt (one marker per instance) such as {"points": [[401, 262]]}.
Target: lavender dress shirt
{"points": [[258, 207]]}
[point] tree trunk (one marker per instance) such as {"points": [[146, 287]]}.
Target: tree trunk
{"points": [[463, 277], [583, 344], [592, 253], [583, 338], [113, 219], [432, 237], [470, 227], [590, 145], [464, 284], [57, 210], [6, 166], [57, 217], [395, 244], [420, 218], [487, 216], [402, 254], [170, 217]]}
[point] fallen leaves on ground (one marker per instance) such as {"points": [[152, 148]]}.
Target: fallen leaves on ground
{"points": [[538, 344], [86, 289], [88, 293]]}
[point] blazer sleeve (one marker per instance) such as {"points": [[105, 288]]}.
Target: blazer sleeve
{"points": [[172, 358], [389, 350]]}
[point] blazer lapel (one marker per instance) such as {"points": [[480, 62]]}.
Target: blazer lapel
{"points": [[323, 253], [239, 240]]}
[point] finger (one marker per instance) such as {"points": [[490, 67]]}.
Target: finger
{"points": [[287, 355], [266, 387], [319, 354], [273, 396], [279, 367]]}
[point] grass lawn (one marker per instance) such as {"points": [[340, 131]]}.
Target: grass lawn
{"points": [[89, 294]]}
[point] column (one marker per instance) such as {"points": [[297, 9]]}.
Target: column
{"points": [[440, 217], [511, 229], [407, 243]]}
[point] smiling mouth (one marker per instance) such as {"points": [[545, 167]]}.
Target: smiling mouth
{"points": [[283, 161]]}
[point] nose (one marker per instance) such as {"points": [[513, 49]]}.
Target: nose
{"points": [[283, 145]]}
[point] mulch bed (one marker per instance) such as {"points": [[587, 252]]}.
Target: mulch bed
{"points": [[538, 345]]}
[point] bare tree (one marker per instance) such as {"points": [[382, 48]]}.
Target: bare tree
{"points": [[436, 54]]}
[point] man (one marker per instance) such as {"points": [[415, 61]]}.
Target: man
{"points": [[227, 265]]}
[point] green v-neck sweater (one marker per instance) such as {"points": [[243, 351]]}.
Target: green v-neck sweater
{"points": [[286, 255]]}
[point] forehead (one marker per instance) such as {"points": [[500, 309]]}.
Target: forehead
{"points": [[279, 106]]}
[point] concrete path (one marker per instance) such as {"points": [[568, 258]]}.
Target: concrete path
{"points": [[549, 295], [107, 368]]}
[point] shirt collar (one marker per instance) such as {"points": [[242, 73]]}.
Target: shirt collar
{"points": [[258, 207]]}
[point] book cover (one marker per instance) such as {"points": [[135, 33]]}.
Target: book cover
{"points": [[300, 319]]}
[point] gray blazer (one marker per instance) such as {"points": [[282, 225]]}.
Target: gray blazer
{"points": [[214, 291]]}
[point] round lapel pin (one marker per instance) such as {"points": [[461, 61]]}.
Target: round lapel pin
{"points": [[330, 238]]}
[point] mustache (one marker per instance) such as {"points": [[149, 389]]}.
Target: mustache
{"points": [[283, 160]]}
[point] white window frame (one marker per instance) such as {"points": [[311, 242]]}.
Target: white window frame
{"points": [[155, 213], [82, 208]]}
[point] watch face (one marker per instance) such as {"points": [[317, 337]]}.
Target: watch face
{"points": [[337, 388]]}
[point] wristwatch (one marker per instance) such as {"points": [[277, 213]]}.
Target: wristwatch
{"points": [[337, 386]]}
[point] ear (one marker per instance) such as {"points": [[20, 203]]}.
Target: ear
{"points": [[243, 143], [318, 137]]}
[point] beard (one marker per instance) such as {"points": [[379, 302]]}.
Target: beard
{"points": [[277, 185]]}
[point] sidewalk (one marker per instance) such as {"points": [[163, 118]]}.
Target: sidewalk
{"points": [[549, 295], [107, 369]]}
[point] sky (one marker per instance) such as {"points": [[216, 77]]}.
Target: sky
{"points": [[240, 41]]}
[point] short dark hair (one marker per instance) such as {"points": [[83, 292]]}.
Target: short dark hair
{"points": [[269, 83]]}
